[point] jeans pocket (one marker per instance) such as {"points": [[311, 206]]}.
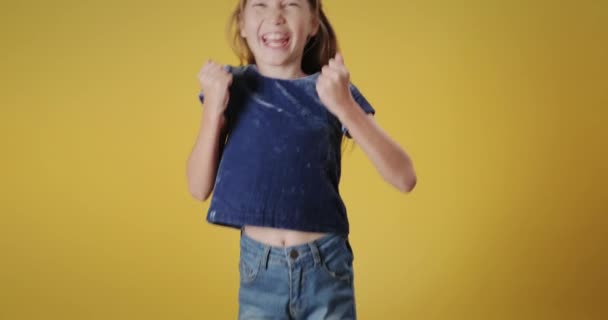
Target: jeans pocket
{"points": [[339, 263], [249, 268], [350, 248]]}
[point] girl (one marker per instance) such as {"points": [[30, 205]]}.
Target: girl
{"points": [[269, 149]]}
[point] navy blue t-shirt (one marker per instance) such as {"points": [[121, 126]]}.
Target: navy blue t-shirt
{"points": [[280, 165]]}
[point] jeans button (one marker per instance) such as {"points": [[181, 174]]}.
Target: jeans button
{"points": [[293, 254]]}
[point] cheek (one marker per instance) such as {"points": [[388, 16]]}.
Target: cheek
{"points": [[250, 31], [298, 28], [250, 24], [303, 27]]}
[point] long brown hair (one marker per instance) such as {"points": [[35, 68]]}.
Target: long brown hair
{"points": [[318, 50]]}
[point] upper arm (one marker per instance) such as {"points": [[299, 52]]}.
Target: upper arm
{"points": [[363, 104]]}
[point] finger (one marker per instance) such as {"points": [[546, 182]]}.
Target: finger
{"points": [[330, 71], [339, 58], [338, 67], [321, 78], [216, 69], [208, 68], [211, 63], [333, 64], [321, 84], [205, 66], [334, 74]]}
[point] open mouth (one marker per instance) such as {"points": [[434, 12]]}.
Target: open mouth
{"points": [[276, 40]]}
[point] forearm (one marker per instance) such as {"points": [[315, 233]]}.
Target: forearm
{"points": [[203, 160], [391, 161]]}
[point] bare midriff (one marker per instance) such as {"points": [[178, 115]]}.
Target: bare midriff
{"points": [[280, 237]]}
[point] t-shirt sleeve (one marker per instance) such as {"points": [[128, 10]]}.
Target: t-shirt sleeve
{"points": [[201, 96], [362, 102]]}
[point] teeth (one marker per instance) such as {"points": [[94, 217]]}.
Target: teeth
{"points": [[275, 36]]}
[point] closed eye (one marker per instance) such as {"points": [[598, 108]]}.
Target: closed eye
{"points": [[292, 3]]}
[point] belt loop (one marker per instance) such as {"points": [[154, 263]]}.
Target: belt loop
{"points": [[315, 251], [265, 256]]}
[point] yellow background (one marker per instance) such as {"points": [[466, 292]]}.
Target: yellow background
{"points": [[501, 104]]}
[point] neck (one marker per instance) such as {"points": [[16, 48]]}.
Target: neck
{"points": [[281, 72]]}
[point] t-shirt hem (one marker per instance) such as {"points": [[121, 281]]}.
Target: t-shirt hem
{"points": [[254, 220]]}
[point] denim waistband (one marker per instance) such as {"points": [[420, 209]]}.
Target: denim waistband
{"points": [[308, 250]]}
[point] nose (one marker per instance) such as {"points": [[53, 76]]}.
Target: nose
{"points": [[276, 16]]}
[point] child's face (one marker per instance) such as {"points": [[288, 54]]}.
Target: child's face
{"points": [[277, 30]]}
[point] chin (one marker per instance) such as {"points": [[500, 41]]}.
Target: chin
{"points": [[275, 61], [275, 58]]}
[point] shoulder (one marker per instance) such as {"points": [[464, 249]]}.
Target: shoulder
{"points": [[241, 75], [237, 71], [353, 88]]}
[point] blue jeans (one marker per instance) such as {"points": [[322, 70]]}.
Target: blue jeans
{"points": [[313, 280]]}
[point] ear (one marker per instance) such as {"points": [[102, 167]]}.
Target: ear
{"points": [[315, 27]]}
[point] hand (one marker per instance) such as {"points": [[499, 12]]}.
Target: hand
{"points": [[333, 86], [215, 81]]}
